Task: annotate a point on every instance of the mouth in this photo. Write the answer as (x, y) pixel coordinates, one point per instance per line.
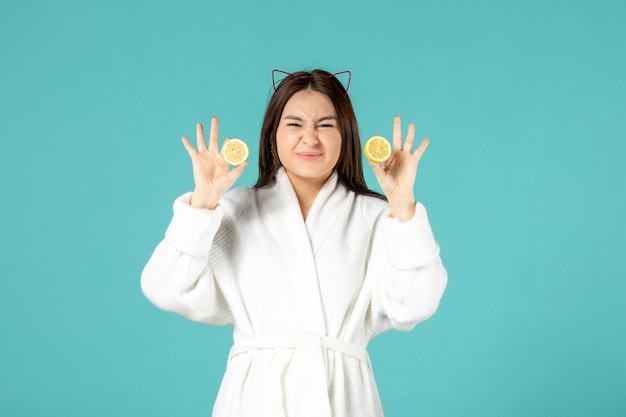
(309, 156)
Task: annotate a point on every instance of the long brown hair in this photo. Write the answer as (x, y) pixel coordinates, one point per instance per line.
(349, 167)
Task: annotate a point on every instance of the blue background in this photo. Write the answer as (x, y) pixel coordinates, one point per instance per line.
(524, 102)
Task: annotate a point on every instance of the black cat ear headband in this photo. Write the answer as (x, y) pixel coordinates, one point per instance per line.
(290, 75)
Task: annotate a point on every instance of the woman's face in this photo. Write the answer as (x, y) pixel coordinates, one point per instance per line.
(308, 138)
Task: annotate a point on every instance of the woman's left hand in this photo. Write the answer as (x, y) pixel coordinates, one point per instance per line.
(397, 174)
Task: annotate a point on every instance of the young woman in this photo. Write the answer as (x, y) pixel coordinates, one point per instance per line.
(308, 265)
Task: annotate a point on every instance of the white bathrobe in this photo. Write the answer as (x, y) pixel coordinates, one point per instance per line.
(303, 297)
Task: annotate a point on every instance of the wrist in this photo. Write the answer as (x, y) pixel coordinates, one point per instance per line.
(402, 207)
(203, 200)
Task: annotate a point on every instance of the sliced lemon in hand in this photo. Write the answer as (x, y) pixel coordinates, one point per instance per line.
(235, 151)
(377, 149)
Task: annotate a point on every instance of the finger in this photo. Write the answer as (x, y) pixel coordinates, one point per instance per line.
(397, 134)
(200, 138)
(379, 173)
(223, 145)
(236, 172)
(213, 134)
(421, 149)
(410, 137)
(190, 149)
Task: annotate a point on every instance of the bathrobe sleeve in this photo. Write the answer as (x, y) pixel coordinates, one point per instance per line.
(411, 277)
(178, 277)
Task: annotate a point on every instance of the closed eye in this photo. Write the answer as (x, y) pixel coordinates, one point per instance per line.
(327, 122)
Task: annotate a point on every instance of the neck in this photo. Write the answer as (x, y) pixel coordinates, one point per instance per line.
(306, 190)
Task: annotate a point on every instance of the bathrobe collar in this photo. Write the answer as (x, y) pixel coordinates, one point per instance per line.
(300, 240)
(282, 205)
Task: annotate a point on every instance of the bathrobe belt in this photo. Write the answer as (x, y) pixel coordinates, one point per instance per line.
(305, 385)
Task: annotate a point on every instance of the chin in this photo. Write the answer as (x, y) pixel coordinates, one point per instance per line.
(310, 174)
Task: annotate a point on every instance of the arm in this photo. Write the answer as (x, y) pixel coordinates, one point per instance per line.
(411, 275)
(178, 277)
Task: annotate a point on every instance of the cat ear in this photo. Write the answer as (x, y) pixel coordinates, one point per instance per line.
(288, 74)
(347, 86)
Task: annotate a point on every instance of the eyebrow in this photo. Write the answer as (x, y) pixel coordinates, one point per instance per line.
(318, 120)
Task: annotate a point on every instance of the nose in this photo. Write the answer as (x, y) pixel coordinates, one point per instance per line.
(309, 135)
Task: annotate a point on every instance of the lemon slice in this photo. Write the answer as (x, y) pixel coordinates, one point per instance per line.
(235, 151)
(377, 149)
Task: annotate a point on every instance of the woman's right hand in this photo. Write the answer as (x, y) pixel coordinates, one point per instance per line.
(210, 171)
